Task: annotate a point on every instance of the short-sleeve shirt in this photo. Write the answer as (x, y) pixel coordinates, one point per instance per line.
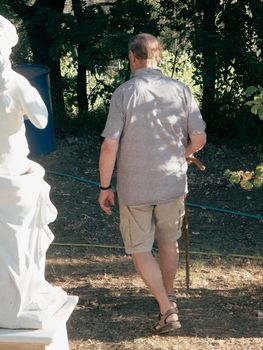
(152, 116)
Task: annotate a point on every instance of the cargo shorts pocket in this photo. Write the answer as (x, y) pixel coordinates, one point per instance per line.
(136, 227)
(169, 218)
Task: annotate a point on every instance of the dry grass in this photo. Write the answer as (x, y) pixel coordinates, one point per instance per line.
(222, 310)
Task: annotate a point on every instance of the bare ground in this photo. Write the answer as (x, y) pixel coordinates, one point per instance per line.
(222, 309)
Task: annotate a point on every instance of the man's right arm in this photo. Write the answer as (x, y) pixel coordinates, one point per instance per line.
(107, 160)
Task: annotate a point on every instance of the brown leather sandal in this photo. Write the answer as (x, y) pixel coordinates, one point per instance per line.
(164, 326)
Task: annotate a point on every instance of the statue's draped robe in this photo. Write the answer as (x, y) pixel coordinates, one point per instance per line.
(27, 300)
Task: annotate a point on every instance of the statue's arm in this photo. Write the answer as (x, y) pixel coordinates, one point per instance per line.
(33, 106)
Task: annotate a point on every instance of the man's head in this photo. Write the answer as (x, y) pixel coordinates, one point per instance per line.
(144, 51)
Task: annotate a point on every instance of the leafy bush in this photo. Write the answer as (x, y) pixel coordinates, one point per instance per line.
(250, 179)
(246, 179)
(256, 103)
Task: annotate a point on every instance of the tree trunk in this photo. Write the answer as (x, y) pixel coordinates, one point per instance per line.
(209, 60)
(81, 78)
(82, 89)
(36, 20)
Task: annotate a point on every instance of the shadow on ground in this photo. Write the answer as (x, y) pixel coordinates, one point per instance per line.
(203, 313)
(114, 306)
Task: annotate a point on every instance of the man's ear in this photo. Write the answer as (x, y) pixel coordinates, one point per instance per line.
(132, 56)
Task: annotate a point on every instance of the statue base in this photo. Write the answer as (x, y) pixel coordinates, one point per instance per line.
(52, 337)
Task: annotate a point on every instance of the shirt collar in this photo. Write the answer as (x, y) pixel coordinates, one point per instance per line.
(147, 70)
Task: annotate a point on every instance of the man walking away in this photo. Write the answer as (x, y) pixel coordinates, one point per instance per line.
(153, 125)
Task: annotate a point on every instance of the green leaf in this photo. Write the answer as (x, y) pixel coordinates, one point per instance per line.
(254, 109)
(260, 112)
(258, 182)
(227, 173)
(234, 178)
(251, 90)
(246, 185)
(259, 170)
(258, 99)
(249, 103)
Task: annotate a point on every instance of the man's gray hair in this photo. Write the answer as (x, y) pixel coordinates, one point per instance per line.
(145, 47)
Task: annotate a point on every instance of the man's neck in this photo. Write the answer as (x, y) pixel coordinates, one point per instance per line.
(146, 64)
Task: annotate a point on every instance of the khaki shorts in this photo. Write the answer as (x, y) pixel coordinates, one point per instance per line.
(141, 225)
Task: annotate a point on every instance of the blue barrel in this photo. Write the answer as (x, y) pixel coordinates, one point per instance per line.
(40, 141)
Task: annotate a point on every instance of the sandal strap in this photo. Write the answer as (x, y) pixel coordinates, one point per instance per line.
(169, 313)
(163, 317)
(172, 298)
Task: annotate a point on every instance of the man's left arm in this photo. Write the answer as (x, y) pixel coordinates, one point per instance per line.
(196, 127)
(107, 161)
(196, 143)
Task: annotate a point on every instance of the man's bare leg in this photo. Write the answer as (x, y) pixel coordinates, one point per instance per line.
(147, 267)
(168, 260)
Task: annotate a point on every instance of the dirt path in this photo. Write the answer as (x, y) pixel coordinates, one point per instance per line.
(222, 310)
(81, 221)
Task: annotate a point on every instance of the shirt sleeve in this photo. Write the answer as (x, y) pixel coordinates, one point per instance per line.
(115, 120)
(196, 124)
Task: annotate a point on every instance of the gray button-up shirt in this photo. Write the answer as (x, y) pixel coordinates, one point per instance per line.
(152, 115)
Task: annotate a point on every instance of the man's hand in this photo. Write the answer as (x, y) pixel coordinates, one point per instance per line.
(189, 159)
(192, 160)
(106, 201)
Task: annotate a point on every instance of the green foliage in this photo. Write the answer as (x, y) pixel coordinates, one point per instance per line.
(226, 60)
(99, 37)
(180, 67)
(250, 179)
(246, 179)
(204, 49)
(256, 103)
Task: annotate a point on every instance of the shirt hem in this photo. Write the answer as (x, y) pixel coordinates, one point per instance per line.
(156, 202)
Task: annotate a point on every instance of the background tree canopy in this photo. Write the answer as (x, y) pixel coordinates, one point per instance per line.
(215, 46)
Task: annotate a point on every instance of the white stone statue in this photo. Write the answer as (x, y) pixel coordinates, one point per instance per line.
(27, 300)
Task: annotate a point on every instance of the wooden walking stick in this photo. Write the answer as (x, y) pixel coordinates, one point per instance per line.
(201, 167)
(186, 247)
